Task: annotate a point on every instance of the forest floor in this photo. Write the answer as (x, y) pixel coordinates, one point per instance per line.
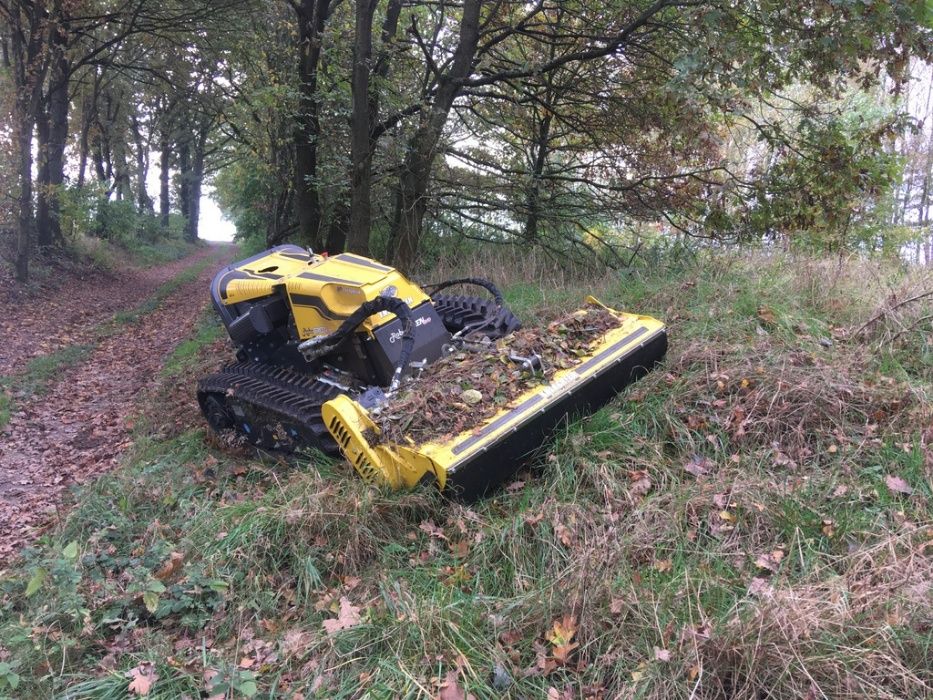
(754, 519)
(77, 351)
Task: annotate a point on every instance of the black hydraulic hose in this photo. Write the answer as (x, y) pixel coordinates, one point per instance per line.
(478, 281)
(316, 347)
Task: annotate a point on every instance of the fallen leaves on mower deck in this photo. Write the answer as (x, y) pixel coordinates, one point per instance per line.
(461, 391)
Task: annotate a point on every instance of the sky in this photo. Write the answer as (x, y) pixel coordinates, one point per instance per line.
(212, 226)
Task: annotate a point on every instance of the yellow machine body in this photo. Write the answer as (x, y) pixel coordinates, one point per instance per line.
(322, 291)
(471, 461)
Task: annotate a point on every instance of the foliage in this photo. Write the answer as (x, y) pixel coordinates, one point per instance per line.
(828, 193)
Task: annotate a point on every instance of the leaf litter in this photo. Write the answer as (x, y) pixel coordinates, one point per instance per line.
(79, 428)
(462, 390)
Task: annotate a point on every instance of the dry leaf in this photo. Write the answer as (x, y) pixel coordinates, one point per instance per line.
(897, 484)
(295, 642)
(143, 677)
(698, 466)
(770, 561)
(760, 587)
(349, 616)
(433, 530)
(171, 566)
(460, 549)
(563, 534)
(663, 565)
(640, 487)
(561, 638)
(766, 315)
(451, 690)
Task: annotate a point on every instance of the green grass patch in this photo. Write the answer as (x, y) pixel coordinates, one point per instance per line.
(166, 289)
(608, 568)
(209, 330)
(37, 376)
(6, 404)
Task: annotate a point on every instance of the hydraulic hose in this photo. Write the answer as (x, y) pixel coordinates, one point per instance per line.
(318, 347)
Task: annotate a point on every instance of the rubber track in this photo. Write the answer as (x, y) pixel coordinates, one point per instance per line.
(458, 311)
(294, 397)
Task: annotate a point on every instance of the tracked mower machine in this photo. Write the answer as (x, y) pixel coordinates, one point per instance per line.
(344, 354)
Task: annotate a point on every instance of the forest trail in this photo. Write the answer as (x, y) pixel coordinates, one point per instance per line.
(79, 427)
(45, 319)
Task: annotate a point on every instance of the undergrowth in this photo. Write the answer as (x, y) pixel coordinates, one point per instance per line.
(750, 520)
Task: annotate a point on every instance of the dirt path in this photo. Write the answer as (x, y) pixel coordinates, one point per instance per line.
(79, 430)
(48, 318)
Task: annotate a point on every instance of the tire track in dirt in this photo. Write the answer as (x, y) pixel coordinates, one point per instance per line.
(79, 430)
(41, 321)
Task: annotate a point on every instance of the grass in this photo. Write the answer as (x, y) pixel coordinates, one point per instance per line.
(108, 255)
(785, 567)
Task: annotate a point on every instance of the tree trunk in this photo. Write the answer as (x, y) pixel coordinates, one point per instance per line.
(24, 233)
(361, 123)
(58, 136)
(83, 145)
(97, 155)
(312, 16)
(411, 196)
(143, 200)
(533, 201)
(364, 117)
(29, 45)
(339, 226)
(195, 185)
(184, 175)
(165, 159)
(43, 228)
(277, 225)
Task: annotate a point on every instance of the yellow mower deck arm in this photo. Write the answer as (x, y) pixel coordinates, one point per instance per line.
(473, 461)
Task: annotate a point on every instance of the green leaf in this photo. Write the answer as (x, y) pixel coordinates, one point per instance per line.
(155, 586)
(35, 583)
(71, 551)
(248, 688)
(151, 601)
(217, 585)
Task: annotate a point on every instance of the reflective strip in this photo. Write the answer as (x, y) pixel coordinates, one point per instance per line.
(496, 424)
(532, 400)
(357, 260)
(326, 278)
(229, 277)
(316, 303)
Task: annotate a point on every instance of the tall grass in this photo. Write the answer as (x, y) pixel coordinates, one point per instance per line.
(726, 528)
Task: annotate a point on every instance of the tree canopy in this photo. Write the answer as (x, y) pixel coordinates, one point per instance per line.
(393, 127)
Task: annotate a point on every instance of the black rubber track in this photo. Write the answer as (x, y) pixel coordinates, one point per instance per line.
(275, 408)
(480, 315)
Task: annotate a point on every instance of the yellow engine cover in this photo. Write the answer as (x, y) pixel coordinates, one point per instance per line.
(322, 291)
